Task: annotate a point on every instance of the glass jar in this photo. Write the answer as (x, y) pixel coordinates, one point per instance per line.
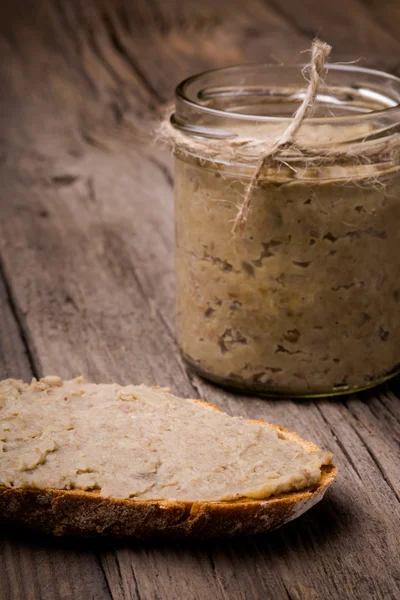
(305, 301)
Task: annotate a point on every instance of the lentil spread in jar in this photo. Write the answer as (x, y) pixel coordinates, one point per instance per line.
(305, 301)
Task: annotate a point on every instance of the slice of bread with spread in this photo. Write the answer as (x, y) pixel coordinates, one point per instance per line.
(78, 458)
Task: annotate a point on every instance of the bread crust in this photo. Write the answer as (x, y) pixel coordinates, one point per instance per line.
(86, 513)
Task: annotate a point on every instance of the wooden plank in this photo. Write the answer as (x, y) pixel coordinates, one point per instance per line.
(351, 28)
(93, 189)
(359, 512)
(35, 569)
(38, 568)
(170, 571)
(387, 18)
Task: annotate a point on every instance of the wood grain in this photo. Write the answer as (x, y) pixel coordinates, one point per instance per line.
(15, 359)
(32, 569)
(86, 250)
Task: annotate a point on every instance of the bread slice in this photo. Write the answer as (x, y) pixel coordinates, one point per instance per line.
(91, 512)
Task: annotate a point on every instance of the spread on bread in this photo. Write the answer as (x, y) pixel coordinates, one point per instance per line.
(142, 442)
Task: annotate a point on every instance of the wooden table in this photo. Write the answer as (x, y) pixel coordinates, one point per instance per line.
(87, 282)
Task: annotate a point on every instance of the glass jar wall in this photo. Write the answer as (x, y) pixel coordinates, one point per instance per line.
(305, 301)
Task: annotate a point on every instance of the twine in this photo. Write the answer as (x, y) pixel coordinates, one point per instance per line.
(319, 53)
(272, 152)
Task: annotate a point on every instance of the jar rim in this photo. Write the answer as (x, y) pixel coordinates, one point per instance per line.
(183, 99)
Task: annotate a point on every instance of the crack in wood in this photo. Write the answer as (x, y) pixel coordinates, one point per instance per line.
(389, 410)
(163, 170)
(137, 590)
(373, 410)
(120, 578)
(91, 189)
(12, 301)
(100, 56)
(90, 139)
(216, 574)
(117, 111)
(77, 45)
(124, 17)
(375, 459)
(163, 25)
(106, 582)
(339, 442)
(69, 28)
(331, 580)
(289, 595)
(124, 53)
(287, 17)
(64, 179)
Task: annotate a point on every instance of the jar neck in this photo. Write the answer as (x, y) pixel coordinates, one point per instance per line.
(355, 107)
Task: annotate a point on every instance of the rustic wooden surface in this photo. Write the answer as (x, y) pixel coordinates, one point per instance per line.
(86, 282)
